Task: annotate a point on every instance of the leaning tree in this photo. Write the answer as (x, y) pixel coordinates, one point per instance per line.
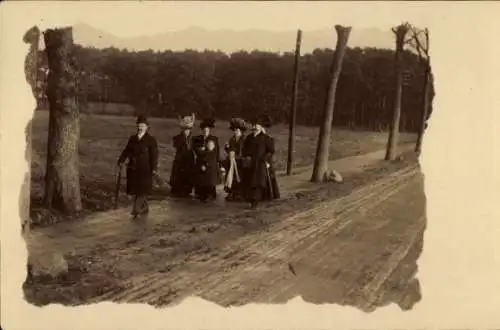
(320, 168)
(419, 42)
(400, 32)
(62, 183)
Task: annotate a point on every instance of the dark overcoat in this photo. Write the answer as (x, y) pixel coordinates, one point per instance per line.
(235, 145)
(142, 156)
(183, 167)
(210, 177)
(259, 150)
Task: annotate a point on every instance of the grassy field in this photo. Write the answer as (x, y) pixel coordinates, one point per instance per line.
(103, 137)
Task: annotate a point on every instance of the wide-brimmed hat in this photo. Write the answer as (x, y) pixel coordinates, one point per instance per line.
(209, 122)
(142, 120)
(235, 123)
(263, 120)
(187, 121)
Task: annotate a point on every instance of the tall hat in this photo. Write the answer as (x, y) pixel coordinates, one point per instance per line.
(142, 120)
(210, 122)
(237, 123)
(263, 120)
(187, 121)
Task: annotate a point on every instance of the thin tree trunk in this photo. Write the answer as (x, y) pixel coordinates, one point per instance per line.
(31, 37)
(103, 95)
(402, 123)
(425, 107)
(293, 110)
(62, 183)
(363, 123)
(322, 151)
(392, 142)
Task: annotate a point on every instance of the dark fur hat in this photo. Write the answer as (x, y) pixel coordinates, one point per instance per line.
(207, 123)
(237, 123)
(263, 120)
(142, 120)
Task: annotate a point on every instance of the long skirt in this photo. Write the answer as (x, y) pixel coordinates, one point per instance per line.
(182, 178)
(258, 193)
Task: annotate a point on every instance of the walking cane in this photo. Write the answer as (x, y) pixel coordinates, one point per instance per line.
(118, 186)
(269, 182)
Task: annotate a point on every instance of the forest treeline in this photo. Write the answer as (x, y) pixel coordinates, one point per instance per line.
(168, 84)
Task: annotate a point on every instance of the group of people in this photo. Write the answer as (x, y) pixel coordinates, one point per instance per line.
(245, 165)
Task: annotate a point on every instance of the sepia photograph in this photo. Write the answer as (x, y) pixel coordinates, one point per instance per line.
(238, 166)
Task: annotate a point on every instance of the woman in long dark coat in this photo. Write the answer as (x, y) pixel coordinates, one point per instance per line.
(183, 167)
(201, 145)
(260, 177)
(142, 155)
(234, 185)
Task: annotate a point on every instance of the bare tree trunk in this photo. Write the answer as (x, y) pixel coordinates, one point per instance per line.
(425, 109)
(62, 183)
(103, 95)
(392, 142)
(362, 115)
(293, 110)
(322, 151)
(31, 37)
(427, 92)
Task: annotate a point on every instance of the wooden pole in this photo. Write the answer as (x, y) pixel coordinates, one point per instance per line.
(293, 109)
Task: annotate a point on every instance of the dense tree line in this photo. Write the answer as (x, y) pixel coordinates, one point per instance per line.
(167, 84)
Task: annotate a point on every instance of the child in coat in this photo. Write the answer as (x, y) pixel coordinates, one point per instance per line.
(208, 171)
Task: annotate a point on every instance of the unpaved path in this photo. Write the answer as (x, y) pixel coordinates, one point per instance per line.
(341, 250)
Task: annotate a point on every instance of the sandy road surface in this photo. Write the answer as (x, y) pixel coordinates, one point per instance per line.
(345, 250)
(342, 251)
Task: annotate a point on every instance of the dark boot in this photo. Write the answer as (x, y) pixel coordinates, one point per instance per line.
(141, 206)
(134, 212)
(145, 208)
(213, 193)
(253, 205)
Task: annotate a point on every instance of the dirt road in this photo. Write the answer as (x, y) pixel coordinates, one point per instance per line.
(357, 248)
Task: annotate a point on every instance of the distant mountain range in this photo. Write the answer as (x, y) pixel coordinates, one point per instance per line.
(228, 41)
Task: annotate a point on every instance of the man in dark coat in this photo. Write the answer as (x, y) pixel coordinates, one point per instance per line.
(183, 167)
(233, 164)
(141, 152)
(258, 150)
(201, 146)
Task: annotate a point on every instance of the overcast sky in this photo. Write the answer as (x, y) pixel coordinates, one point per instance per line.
(161, 17)
(131, 19)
